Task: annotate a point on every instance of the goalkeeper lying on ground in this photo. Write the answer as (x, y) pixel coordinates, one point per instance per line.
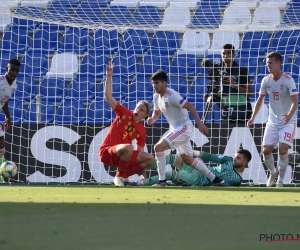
(229, 169)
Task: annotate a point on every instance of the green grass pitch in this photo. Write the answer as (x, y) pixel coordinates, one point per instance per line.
(109, 218)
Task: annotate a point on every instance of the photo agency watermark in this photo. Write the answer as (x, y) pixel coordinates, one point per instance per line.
(279, 237)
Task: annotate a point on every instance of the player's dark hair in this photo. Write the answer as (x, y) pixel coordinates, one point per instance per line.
(275, 55)
(229, 46)
(159, 75)
(14, 62)
(246, 154)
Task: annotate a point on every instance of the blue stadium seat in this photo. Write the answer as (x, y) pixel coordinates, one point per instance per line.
(105, 42)
(83, 89)
(27, 24)
(140, 89)
(178, 84)
(45, 42)
(100, 3)
(125, 65)
(214, 3)
(146, 16)
(64, 3)
(71, 111)
(164, 43)
(117, 15)
(43, 112)
(206, 17)
(152, 63)
(53, 88)
(184, 65)
(57, 14)
(26, 89)
(296, 67)
(34, 65)
(199, 106)
(286, 66)
(88, 14)
(100, 112)
(198, 89)
(135, 42)
(256, 88)
(16, 41)
(119, 88)
(94, 65)
(292, 16)
(286, 42)
(75, 40)
(255, 43)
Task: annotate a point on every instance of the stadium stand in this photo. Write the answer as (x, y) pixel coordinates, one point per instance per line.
(184, 65)
(71, 111)
(94, 65)
(157, 3)
(99, 112)
(117, 15)
(54, 89)
(176, 17)
(164, 43)
(222, 37)
(152, 62)
(135, 42)
(125, 65)
(127, 3)
(206, 17)
(147, 16)
(265, 17)
(26, 89)
(16, 41)
(105, 42)
(194, 42)
(236, 17)
(83, 89)
(251, 4)
(34, 65)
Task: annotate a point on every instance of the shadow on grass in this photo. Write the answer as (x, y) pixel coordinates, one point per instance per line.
(145, 226)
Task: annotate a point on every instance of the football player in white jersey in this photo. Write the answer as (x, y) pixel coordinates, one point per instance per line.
(175, 109)
(281, 125)
(7, 87)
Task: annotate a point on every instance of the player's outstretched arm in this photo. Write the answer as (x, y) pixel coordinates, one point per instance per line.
(107, 87)
(202, 128)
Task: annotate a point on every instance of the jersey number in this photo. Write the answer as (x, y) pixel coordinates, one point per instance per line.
(287, 137)
(276, 95)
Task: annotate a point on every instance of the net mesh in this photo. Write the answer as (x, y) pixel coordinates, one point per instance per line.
(59, 115)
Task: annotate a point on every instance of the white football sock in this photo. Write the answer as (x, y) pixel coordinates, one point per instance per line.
(200, 166)
(161, 165)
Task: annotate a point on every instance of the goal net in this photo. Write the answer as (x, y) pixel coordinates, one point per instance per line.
(59, 115)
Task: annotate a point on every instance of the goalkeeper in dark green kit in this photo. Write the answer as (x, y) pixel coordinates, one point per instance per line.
(229, 169)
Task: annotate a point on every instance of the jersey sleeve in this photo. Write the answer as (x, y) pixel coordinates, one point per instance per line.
(177, 100)
(155, 104)
(219, 159)
(291, 85)
(263, 89)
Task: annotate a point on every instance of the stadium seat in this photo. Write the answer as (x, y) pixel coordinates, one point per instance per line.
(71, 111)
(292, 15)
(164, 43)
(127, 3)
(157, 3)
(255, 43)
(53, 88)
(222, 37)
(119, 88)
(100, 3)
(184, 65)
(26, 89)
(105, 42)
(186, 3)
(125, 65)
(140, 89)
(65, 3)
(176, 17)
(75, 40)
(206, 17)
(44, 42)
(196, 43)
(35, 3)
(88, 14)
(251, 4)
(94, 64)
(5, 18)
(296, 67)
(146, 16)
(83, 88)
(135, 42)
(99, 112)
(117, 15)
(54, 15)
(152, 63)
(180, 85)
(286, 42)
(16, 111)
(16, 41)
(30, 12)
(255, 88)
(236, 17)
(40, 111)
(281, 4)
(265, 17)
(214, 3)
(63, 65)
(34, 65)
(198, 89)
(286, 66)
